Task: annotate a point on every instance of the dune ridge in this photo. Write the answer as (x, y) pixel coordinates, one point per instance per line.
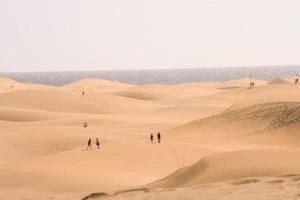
(260, 118)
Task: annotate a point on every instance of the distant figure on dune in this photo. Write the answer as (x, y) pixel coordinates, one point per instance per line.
(11, 86)
(84, 125)
(97, 143)
(89, 144)
(296, 81)
(251, 84)
(158, 137)
(151, 138)
(83, 93)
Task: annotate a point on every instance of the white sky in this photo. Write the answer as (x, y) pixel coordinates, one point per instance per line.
(40, 35)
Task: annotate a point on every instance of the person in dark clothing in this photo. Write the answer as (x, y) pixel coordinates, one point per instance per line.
(251, 84)
(151, 138)
(97, 143)
(89, 144)
(82, 93)
(158, 137)
(85, 125)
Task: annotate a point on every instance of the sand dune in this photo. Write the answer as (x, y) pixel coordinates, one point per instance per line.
(239, 83)
(283, 187)
(214, 176)
(260, 118)
(95, 86)
(52, 100)
(259, 95)
(56, 100)
(278, 80)
(6, 85)
(234, 165)
(165, 92)
(23, 115)
(97, 83)
(221, 137)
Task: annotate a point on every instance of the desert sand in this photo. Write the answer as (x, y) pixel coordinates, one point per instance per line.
(220, 140)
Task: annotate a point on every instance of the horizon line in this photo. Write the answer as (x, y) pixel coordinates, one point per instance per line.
(152, 69)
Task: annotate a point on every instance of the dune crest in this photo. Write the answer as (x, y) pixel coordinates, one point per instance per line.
(92, 86)
(278, 80)
(256, 119)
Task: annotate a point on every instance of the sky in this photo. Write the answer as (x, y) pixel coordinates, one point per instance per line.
(46, 35)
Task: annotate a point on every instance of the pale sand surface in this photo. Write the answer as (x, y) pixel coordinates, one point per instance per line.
(220, 140)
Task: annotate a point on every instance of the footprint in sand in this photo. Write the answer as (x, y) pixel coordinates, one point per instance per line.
(296, 179)
(289, 175)
(246, 181)
(276, 181)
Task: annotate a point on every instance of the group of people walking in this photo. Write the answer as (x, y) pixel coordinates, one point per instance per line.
(97, 142)
(90, 143)
(158, 137)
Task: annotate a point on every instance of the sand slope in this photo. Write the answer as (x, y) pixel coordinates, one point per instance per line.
(220, 175)
(259, 118)
(23, 115)
(282, 187)
(234, 165)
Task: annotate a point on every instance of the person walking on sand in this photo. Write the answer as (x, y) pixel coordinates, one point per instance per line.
(82, 93)
(85, 125)
(151, 138)
(158, 137)
(251, 84)
(97, 143)
(89, 144)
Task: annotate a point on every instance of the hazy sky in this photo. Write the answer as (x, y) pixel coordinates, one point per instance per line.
(40, 35)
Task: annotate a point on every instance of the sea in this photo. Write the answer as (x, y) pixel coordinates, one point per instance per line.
(161, 76)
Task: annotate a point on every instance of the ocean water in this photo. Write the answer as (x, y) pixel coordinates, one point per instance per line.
(164, 76)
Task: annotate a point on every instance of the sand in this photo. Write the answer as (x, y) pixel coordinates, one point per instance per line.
(220, 140)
